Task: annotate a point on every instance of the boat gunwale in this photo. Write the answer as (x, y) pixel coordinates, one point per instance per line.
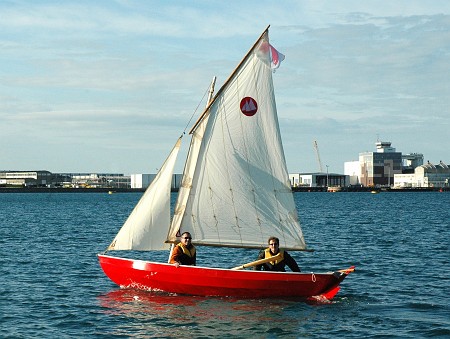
(215, 268)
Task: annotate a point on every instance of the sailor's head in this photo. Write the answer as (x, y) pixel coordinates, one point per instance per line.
(274, 243)
(186, 238)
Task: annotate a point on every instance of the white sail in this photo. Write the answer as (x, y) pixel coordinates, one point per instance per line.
(189, 168)
(240, 192)
(146, 227)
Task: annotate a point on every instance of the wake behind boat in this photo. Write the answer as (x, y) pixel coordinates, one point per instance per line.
(235, 192)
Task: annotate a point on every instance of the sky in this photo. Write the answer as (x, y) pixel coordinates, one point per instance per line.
(108, 86)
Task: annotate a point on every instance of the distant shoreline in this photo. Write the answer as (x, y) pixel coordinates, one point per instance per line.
(68, 190)
(137, 190)
(372, 189)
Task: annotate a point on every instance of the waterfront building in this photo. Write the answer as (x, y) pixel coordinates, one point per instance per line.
(318, 180)
(80, 180)
(428, 175)
(378, 168)
(141, 180)
(411, 161)
(96, 180)
(26, 178)
(353, 170)
(144, 180)
(375, 168)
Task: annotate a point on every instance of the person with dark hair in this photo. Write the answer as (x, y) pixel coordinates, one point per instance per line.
(279, 264)
(184, 253)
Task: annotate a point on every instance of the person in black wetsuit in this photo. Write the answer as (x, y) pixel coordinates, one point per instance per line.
(279, 264)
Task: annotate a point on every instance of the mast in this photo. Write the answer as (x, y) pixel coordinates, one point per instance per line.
(211, 91)
(185, 187)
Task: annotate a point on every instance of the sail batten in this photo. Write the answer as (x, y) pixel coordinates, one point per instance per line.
(238, 192)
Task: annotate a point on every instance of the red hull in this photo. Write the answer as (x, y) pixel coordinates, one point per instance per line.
(203, 281)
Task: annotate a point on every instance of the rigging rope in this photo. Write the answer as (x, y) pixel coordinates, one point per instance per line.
(195, 111)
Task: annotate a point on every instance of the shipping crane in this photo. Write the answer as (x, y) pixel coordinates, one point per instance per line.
(316, 147)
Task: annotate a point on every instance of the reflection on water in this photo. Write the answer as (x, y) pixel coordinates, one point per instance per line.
(161, 314)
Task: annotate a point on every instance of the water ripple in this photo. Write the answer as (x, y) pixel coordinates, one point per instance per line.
(52, 285)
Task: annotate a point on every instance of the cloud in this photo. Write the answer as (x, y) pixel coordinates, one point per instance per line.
(129, 74)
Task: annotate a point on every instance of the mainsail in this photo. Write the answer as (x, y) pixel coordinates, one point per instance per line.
(239, 192)
(146, 227)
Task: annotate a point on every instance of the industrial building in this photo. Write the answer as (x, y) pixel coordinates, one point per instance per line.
(383, 168)
(80, 180)
(378, 168)
(372, 169)
(428, 175)
(94, 180)
(144, 180)
(388, 168)
(77, 180)
(26, 178)
(318, 180)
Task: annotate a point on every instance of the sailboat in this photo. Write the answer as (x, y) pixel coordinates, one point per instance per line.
(235, 192)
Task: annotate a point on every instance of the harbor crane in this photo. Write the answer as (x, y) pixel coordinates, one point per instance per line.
(316, 147)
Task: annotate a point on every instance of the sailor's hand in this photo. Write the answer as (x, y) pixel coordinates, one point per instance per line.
(177, 264)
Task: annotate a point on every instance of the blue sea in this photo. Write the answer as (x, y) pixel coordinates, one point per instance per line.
(51, 285)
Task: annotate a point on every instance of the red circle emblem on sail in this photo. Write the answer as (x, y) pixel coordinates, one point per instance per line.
(249, 106)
